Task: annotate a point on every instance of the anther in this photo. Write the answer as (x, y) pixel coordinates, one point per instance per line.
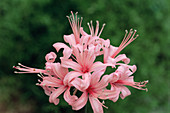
(39, 75)
(101, 29)
(19, 64)
(37, 84)
(15, 72)
(103, 102)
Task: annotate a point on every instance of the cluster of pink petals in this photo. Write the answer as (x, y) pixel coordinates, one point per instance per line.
(80, 71)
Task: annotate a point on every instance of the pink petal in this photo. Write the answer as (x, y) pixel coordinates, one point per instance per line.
(84, 40)
(116, 89)
(108, 52)
(50, 57)
(124, 92)
(106, 43)
(69, 98)
(48, 90)
(82, 84)
(98, 66)
(81, 102)
(111, 62)
(60, 71)
(109, 94)
(53, 97)
(51, 81)
(115, 98)
(122, 57)
(83, 32)
(96, 105)
(115, 77)
(70, 76)
(103, 82)
(90, 56)
(67, 51)
(96, 77)
(70, 39)
(68, 63)
(133, 68)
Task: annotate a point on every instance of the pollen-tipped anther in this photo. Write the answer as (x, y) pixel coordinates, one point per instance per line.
(101, 29)
(75, 24)
(126, 41)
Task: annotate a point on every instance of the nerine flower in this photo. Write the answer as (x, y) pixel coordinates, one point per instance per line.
(121, 78)
(80, 70)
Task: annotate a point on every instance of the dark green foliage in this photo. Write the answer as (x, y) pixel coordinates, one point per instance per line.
(28, 28)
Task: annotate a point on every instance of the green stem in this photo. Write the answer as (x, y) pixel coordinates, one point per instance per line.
(86, 108)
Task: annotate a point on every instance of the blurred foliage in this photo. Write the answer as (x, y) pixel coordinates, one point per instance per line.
(28, 28)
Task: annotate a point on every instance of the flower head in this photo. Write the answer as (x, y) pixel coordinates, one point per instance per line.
(79, 68)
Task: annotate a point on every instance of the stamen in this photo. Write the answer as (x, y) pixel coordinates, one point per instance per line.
(75, 24)
(89, 28)
(39, 75)
(97, 28)
(37, 84)
(15, 71)
(81, 21)
(75, 91)
(25, 69)
(126, 41)
(92, 28)
(101, 30)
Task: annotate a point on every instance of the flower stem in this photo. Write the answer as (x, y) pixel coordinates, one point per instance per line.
(86, 108)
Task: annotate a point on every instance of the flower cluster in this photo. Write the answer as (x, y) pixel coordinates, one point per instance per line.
(79, 76)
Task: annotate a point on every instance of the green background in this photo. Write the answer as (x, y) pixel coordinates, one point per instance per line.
(28, 28)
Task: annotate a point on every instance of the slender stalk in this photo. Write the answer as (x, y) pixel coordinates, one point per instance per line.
(86, 108)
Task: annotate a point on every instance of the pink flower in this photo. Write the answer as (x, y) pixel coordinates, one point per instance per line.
(80, 70)
(110, 53)
(50, 58)
(52, 83)
(121, 78)
(96, 90)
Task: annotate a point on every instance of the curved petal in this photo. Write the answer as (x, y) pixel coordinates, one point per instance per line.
(109, 94)
(82, 84)
(51, 81)
(81, 102)
(67, 51)
(103, 82)
(115, 77)
(70, 99)
(70, 76)
(116, 89)
(98, 66)
(90, 56)
(106, 43)
(96, 77)
(108, 52)
(96, 105)
(122, 57)
(48, 90)
(60, 71)
(133, 68)
(68, 63)
(83, 33)
(124, 92)
(84, 40)
(50, 57)
(70, 39)
(53, 97)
